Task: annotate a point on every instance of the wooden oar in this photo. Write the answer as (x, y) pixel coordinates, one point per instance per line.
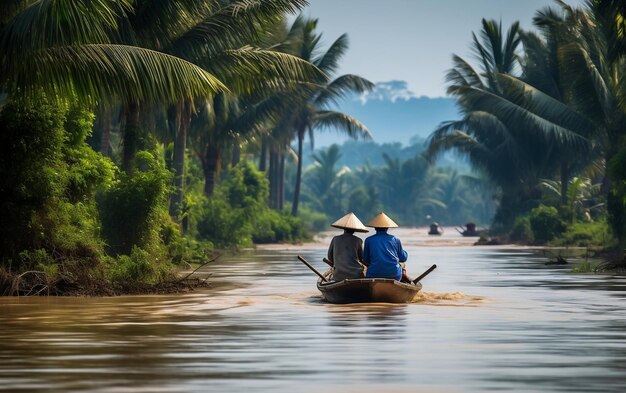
(427, 272)
(312, 268)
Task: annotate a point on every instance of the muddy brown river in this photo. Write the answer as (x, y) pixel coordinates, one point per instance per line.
(489, 319)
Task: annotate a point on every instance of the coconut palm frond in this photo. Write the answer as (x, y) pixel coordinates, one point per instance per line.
(329, 60)
(235, 24)
(337, 120)
(546, 106)
(262, 68)
(103, 72)
(598, 93)
(511, 112)
(340, 88)
(463, 74)
(447, 137)
(46, 24)
(168, 20)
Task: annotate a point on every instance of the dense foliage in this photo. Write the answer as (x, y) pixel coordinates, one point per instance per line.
(129, 132)
(545, 110)
(78, 220)
(412, 190)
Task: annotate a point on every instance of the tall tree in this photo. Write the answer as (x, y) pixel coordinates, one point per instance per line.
(215, 35)
(512, 130)
(310, 109)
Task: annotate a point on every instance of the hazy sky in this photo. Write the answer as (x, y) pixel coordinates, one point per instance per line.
(413, 40)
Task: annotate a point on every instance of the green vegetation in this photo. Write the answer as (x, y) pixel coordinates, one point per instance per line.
(586, 267)
(544, 118)
(411, 190)
(129, 132)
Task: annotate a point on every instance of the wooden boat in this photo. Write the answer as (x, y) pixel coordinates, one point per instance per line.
(469, 230)
(435, 229)
(365, 290)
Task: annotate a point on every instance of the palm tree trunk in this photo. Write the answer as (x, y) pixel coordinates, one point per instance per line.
(131, 136)
(263, 158)
(273, 177)
(236, 154)
(211, 167)
(564, 182)
(296, 193)
(281, 181)
(183, 118)
(105, 137)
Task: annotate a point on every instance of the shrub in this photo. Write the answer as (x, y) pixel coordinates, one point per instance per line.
(522, 231)
(245, 187)
(30, 169)
(313, 221)
(595, 234)
(224, 226)
(545, 223)
(586, 267)
(272, 227)
(138, 266)
(133, 209)
(49, 177)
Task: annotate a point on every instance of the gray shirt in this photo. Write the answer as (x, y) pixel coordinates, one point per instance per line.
(346, 251)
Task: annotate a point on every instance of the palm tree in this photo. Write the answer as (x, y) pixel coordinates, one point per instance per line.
(407, 187)
(310, 109)
(216, 35)
(58, 47)
(580, 195)
(325, 181)
(610, 14)
(512, 130)
(222, 123)
(597, 71)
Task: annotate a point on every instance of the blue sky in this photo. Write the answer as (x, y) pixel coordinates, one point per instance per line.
(413, 40)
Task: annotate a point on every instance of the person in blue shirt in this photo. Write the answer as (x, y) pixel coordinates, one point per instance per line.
(383, 252)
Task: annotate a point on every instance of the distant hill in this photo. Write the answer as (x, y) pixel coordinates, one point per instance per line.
(357, 153)
(393, 114)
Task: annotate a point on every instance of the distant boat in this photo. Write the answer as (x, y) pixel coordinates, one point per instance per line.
(435, 229)
(469, 230)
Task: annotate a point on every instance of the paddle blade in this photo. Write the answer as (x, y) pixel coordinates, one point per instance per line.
(427, 272)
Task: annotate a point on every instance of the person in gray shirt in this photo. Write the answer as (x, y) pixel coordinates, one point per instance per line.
(346, 250)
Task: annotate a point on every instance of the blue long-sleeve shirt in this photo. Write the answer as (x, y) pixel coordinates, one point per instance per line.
(382, 254)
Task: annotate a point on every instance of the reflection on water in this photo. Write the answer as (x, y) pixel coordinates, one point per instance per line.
(487, 319)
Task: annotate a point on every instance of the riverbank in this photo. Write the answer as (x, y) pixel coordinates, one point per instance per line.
(410, 237)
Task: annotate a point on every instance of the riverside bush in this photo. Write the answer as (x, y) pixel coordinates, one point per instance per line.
(133, 209)
(545, 223)
(48, 179)
(272, 226)
(596, 234)
(224, 226)
(522, 231)
(139, 266)
(238, 215)
(313, 221)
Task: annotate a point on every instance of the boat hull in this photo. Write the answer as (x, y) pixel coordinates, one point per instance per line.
(368, 290)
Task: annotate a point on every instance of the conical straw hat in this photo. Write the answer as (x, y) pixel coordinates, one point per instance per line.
(382, 221)
(350, 221)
